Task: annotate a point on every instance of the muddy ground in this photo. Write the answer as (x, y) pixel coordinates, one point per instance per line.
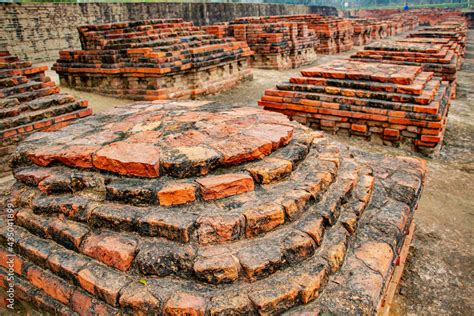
(439, 276)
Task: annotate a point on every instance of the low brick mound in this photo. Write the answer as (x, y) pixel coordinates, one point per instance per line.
(153, 59)
(193, 208)
(388, 103)
(454, 30)
(441, 59)
(438, 49)
(276, 45)
(29, 102)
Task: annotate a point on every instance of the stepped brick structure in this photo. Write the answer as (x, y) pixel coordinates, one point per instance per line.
(335, 34)
(424, 17)
(369, 30)
(438, 49)
(153, 59)
(385, 102)
(215, 211)
(438, 58)
(455, 31)
(29, 102)
(276, 45)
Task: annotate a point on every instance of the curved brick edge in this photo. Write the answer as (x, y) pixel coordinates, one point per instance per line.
(205, 223)
(387, 212)
(154, 139)
(360, 285)
(288, 245)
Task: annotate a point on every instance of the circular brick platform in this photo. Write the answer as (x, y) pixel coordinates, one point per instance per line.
(194, 208)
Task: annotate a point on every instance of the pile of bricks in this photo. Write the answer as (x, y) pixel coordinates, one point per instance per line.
(153, 59)
(29, 102)
(276, 45)
(210, 211)
(390, 103)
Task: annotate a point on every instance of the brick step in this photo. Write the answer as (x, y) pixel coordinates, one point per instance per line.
(15, 65)
(32, 72)
(12, 81)
(163, 223)
(425, 97)
(37, 104)
(39, 114)
(368, 109)
(71, 235)
(47, 290)
(163, 90)
(24, 88)
(31, 95)
(27, 292)
(111, 286)
(50, 124)
(8, 103)
(416, 88)
(65, 276)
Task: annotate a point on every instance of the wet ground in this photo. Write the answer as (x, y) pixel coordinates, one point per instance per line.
(439, 276)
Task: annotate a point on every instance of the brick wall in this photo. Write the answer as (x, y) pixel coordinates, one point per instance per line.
(38, 31)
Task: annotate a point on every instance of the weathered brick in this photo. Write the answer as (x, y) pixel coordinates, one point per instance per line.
(218, 187)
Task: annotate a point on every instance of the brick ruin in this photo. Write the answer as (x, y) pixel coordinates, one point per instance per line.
(387, 103)
(152, 60)
(393, 92)
(438, 49)
(368, 30)
(289, 41)
(189, 207)
(276, 44)
(29, 102)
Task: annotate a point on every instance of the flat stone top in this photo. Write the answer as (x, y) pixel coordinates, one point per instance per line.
(179, 139)
(425, 40)
(405, 47)
(343, 69)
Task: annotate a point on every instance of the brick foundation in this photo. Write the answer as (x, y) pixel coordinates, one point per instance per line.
(388, 103)
(152, 60)
(241, 212)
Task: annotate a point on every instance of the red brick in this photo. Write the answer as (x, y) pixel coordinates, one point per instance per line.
(50, 284)
(182, 303)
(218, 187)
(112, 249)
(129, 159)
(359, 128)
(177, 194)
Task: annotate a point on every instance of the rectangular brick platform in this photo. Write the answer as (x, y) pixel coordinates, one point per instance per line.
(153, 59)
(437, 49)
(389, 103)
(334, 34)
(276, 45)
(369, 30)
(251, 214)
(30, 102)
